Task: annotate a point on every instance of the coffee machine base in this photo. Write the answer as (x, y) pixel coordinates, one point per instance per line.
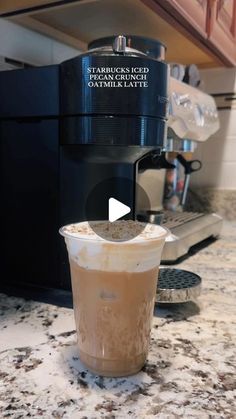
(187, 229)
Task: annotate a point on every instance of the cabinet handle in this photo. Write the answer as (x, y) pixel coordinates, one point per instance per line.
(211, 7)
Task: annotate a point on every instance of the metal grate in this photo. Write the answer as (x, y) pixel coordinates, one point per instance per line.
(175, 219)
(177, 285)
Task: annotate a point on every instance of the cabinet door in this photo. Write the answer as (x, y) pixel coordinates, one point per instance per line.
(192, 13)
(222, 28)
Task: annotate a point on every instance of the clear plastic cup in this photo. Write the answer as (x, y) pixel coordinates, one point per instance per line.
(114, 289)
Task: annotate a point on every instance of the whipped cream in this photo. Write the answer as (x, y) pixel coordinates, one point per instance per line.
(90, 251)
(121, 230)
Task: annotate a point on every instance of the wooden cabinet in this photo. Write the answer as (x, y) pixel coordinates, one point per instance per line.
(222, 28)
(211, 22)
(194, 12)
(200, 31)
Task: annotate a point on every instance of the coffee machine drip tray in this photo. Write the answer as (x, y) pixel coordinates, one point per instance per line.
(187, 229)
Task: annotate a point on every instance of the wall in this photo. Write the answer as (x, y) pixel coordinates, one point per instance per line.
(218, 153)
(31, 47)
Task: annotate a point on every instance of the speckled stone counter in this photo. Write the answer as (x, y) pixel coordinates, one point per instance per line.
(208, 200)
(190, 373)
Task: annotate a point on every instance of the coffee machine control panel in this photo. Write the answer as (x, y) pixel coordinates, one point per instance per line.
(193, 114)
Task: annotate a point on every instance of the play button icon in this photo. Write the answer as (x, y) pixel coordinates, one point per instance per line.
(115, 199)
(117, 209)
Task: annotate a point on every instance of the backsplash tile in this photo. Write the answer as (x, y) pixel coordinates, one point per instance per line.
(219, 175)
(31, 47)
(218, 80)
(227, 123)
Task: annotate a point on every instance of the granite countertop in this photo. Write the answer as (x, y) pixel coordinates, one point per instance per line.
(190, 372)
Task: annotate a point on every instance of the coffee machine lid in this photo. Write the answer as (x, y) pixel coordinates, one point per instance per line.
(130, 45)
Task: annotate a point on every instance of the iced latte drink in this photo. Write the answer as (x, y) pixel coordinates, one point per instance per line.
(114, 287)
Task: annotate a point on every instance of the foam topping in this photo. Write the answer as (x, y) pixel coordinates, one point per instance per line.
(121, 230)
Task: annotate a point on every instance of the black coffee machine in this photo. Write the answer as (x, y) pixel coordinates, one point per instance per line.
(99, 118)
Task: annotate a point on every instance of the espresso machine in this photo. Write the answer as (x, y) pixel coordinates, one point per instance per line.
(72, 136)
(193, 118)
(94, 127)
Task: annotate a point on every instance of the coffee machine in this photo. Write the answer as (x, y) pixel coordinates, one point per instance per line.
(74, 134)
(193, 118)
(94, 127)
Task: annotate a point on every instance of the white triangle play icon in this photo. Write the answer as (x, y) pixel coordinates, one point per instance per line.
(117, 210)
